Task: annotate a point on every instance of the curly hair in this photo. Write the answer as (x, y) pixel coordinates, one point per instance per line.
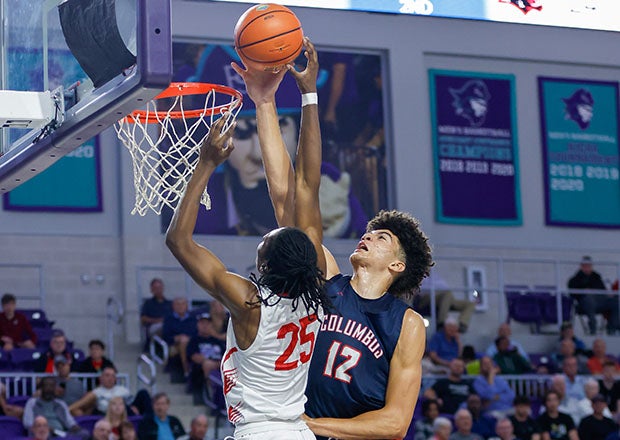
(291, 271)
(414, 244)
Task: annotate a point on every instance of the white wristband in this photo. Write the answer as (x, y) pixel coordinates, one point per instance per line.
(309, 99)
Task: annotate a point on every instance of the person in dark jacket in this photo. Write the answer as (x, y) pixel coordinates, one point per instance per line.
(95, 362)
(159, 420)
(591, 304)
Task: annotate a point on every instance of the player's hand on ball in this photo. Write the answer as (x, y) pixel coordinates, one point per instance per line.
(306, 79)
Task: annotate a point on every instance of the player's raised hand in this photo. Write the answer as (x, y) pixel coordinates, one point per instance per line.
(260, 85)
(306, 79)
(218, 144)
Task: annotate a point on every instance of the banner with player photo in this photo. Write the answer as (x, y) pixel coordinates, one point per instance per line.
(473, 121)
(353, 183)
(581, 154)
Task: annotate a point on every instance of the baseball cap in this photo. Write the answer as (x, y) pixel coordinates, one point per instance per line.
(566, 324)
(59, 358)
(586, 259)
(204, 315)
(599, 398)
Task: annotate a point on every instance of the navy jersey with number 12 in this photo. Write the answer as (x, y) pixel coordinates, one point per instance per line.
(350, 366)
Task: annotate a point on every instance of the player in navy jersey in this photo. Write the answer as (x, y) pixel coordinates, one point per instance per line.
(366, 368)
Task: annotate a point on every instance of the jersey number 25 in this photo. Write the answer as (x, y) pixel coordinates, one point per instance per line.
(299, 336)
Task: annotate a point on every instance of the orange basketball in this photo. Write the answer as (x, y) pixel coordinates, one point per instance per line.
(268, 36)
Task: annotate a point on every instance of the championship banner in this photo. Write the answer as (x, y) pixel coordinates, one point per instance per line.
(473, 119)
(73, 184)
(579, 128)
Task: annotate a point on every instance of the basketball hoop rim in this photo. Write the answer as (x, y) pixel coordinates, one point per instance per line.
(183, 89)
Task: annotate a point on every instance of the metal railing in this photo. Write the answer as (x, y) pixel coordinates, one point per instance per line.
(113, 318)
(159, 350)
(150, 379)
(24, 384)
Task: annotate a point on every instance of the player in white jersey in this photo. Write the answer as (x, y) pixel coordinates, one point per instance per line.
(274, 317)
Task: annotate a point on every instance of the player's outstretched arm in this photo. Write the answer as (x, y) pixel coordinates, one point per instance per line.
(308, 159)
(391, 421)
(261, 88)
(202, 265)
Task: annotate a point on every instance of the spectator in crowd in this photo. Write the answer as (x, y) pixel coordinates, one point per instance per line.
(482, 424)
(591, 304)
(554, 424)
(58, 346)
(599, 356)
(40, 429)
(442, 427)
(128, 431)
(445, 344)
(68, 389)
(505, 331)
(116, 414)
(609, 386)
(55, 410)
(424, 427)
(451, 391)
(159, 424)
(586, 405)
(204, 351)
(567, 331)
(509, 360)
(445, 302)
(178, 329)
(504, 430)
(7, 409)
(567, 350)
(524, 426)
(101, 430)
(472, 363)
(219, 319)
(568, 405)
(198, 429)
(15, 330)
(597, 426)
(463, 422)
(96, 360)
(495, 392)
(155, 309)
(574, 383)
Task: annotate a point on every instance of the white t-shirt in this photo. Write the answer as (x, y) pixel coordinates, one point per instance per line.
(104, 395)
(267, 381)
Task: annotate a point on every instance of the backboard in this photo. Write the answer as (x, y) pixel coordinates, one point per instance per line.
(92, 62)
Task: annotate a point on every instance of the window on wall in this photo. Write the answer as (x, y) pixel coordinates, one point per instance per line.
(354, 172)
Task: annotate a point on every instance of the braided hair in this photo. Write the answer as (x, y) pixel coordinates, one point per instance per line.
(290, 271)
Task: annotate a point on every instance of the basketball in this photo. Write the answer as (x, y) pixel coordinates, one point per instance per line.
(268, 36)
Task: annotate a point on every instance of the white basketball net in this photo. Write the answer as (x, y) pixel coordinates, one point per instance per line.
(164, 159)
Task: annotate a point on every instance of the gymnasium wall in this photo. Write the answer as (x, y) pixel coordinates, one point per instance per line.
(128, 250)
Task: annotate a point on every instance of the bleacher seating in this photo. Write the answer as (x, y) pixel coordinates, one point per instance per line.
(11, 427)
(536, 305)
(37, 317)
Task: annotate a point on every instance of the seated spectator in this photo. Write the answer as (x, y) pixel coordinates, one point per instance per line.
(40, 429)
(198, 429)
(609, 386)
(505, 331)
(5, 408)
(68, 389)
(554, 424)
(204, 351)
(101, 430)
(219, 319)
(153, 425)
(445, 302)
(15, 330)
(567, 331)
(424, 426)
(58, 346)
(155, 309)
(451, 391)
(586, 405)
(463, 422)
(97, 400)
(128, 431)
(591, 304)
(445, 344)
(568, 405)
(55, 411)
(567, 350)
(597, 426)
(524, 426)
(178, 329)
(599, 356)
(508, 359)
(482, 424)
(96, 360)
(496, 394)
(442, 427)
(574, 383)
(116, 414)
(472, 363)
(504, 430)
